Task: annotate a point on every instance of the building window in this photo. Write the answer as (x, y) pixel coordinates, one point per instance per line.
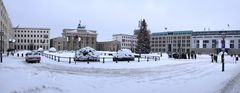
(205, 41)
(204, 45)
(45, 36)
(231, 45)
(231, 41)
(197, 45)
(214, 43)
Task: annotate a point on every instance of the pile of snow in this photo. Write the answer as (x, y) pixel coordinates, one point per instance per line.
(40, 50)
(124, 53)
(52, 49)
(87, 53)
(225, 53)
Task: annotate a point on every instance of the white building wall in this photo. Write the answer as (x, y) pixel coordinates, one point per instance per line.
(200, 43)
(126, 41)
(227, 43)
(219, 43)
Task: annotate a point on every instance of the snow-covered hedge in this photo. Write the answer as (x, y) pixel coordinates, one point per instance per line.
(52, 49)
(40, 50)
(123, 55)
(87, 54)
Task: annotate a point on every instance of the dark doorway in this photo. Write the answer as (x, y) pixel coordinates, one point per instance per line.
(169, 47)
(31, 47)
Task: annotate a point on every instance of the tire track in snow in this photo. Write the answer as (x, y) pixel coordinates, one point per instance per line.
(233, 86)
(170, 71)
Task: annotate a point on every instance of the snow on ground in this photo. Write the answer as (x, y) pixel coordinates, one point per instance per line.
(164, 76)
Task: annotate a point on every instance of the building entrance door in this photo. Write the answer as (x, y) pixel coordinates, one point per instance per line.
(169, 47)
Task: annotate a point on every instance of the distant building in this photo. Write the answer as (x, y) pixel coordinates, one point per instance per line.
(210, 41)
(126, 41)
(109, 46)
(173, 41)
(58, 43)
(79, 38)
(5, 29)
(31, 38)
(205, 42)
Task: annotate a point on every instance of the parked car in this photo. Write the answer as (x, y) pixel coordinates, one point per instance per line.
(33, 57)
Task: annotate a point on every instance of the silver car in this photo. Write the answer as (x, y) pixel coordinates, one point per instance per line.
(33, 57)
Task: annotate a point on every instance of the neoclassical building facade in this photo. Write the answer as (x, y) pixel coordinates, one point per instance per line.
(5, 28)
(75, 39)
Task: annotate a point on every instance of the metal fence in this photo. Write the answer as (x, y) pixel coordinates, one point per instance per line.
(102, 59)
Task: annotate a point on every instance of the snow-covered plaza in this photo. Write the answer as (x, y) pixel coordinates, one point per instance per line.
(166, 75)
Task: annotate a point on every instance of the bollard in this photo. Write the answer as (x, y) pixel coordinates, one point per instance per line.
(17, 54)
(55, 58)
(75, 61)
(147, 59)
(52, 57)
(22, 55)
(58, 58)
(69, 60)
(155, 58)
(128, 61)
(138, 59)
(103, 60)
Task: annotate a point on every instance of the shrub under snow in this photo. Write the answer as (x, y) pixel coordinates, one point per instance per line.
(124, 55)
(87, 54)
(40, 50)
(52, 49)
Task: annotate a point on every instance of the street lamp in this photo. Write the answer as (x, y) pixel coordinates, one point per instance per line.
(223, 49)
(1, 34)
(79, 43)
(11, 42)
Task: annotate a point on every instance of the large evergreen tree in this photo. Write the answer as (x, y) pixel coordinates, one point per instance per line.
(143, 36)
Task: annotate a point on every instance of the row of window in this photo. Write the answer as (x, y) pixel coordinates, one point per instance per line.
(174, 41)
(28, 47)
(179, 37)
(214, 41)
(31, 41)
(39, 36)
(215, 36)
(174, 45)
(124, 44)
(165, 50)
(126, 40)
(129, 37)
(24, 31)
(215, 45)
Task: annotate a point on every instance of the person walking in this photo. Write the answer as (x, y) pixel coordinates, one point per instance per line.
(236, 58)
(212, 57)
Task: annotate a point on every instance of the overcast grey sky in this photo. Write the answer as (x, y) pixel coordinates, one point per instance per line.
(121, 16)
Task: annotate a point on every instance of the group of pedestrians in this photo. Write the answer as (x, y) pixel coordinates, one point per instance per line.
(214, 58)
